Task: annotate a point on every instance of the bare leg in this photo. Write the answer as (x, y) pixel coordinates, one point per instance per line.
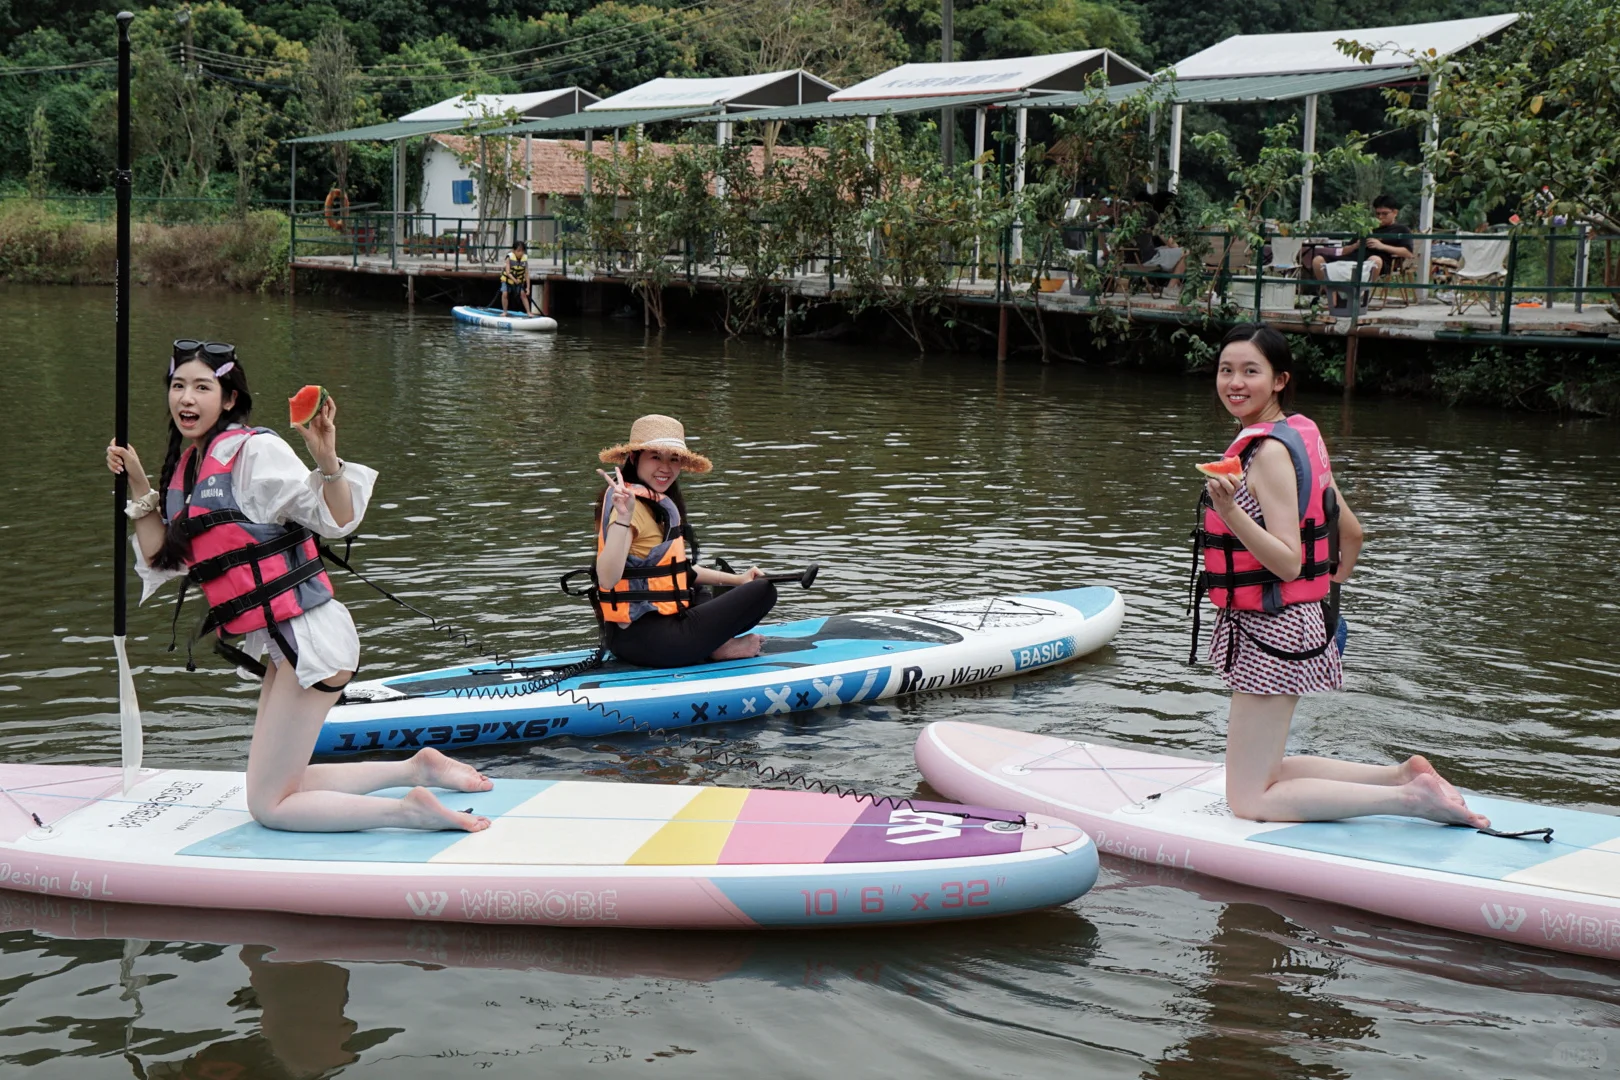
(284, 735)
(739, 648)
(1256, 787)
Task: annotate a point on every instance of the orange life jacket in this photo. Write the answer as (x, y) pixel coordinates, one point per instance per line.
(661, 582)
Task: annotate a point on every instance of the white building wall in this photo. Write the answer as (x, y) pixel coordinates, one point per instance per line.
(439, 168)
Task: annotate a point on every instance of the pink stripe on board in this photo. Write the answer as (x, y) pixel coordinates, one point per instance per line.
(51, 791)
(767, 829)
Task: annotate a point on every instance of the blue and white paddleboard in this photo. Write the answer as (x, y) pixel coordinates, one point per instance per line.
(810, 664)
(501, 320)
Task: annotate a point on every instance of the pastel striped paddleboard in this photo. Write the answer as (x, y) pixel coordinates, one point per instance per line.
(810, 664)
(560, 853)
(1171, 811)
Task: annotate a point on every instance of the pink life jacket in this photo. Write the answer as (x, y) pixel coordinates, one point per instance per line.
(254, 576)
(1232, 576)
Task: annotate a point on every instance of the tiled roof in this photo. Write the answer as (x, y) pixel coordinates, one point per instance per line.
(557, 166)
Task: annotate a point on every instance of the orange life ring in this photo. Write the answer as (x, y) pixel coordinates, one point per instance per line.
(337, 208)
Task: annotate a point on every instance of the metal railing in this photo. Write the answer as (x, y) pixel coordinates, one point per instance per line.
(1540, 268)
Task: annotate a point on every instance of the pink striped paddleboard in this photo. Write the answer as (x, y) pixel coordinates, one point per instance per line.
(1155, 808)
(557, 853)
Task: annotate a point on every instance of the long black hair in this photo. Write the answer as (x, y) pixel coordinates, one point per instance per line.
(176, 546)
(674, 493)
(1274, 347)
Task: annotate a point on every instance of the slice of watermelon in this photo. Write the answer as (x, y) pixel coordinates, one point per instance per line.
(305, 405)
(1229, 467)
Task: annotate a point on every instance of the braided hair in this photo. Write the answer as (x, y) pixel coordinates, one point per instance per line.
(176, 545)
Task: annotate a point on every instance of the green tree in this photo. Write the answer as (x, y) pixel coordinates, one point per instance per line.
(329, 90)
(39, 154)
(1540, 109)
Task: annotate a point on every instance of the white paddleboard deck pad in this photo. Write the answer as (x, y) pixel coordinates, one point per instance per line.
(810, 664)
(1155, 808)
(562, 853)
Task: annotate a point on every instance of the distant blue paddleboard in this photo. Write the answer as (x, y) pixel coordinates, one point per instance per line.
(501, 320)
(810, 664)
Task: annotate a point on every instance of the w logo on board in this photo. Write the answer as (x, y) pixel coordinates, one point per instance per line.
(921, 826)
(1499, 918)
(427, 903)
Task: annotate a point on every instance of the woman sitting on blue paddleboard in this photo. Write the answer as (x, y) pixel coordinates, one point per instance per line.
(236, 511)
(1276, 540)
(646, 575)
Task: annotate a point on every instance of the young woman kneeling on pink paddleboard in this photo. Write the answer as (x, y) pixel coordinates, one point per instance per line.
(236, 511)
(1275, 542)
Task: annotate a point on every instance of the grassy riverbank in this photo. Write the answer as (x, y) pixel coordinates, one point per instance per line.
(40, 246)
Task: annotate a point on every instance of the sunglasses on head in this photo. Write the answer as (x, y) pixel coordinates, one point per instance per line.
(210, 352)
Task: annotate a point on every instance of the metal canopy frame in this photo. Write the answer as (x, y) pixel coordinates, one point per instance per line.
(605, 120)
(854, 110)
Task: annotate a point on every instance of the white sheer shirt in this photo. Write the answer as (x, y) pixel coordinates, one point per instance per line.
(273, 486)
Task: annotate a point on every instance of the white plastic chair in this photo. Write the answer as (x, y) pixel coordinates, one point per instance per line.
(1284, 262)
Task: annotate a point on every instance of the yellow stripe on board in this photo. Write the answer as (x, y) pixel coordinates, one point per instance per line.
(697, 835)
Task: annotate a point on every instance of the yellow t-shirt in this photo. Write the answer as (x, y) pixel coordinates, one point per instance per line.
(645, 532)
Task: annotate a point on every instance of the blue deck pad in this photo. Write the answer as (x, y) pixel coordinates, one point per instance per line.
(254, 841)
(1402, 841)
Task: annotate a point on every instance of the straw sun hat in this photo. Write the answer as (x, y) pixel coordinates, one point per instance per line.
(657, 433)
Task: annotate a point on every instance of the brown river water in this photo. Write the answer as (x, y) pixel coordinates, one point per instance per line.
(1484, 617)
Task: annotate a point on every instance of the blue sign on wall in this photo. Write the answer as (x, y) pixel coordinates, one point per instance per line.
(461, 192)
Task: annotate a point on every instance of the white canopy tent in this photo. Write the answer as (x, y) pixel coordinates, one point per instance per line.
(1248, 56)
(1018, 77)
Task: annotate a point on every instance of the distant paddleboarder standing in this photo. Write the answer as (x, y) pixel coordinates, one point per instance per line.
(1275, 540)
(236, 512)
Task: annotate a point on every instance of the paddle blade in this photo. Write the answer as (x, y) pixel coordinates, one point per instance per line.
(129, 718)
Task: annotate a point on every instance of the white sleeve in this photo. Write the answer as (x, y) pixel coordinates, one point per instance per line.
(273, 486)
(152, 579)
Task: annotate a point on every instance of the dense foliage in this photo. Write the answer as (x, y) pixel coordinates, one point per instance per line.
(252, 71)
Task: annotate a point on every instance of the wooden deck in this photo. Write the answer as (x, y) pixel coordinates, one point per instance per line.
(1429, 320)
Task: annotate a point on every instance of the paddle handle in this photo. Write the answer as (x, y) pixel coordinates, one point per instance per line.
(803, 577)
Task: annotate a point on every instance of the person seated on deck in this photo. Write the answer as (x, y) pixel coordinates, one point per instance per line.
(1163, 260)
(1389, 245)
(515, 277)
(647, 576)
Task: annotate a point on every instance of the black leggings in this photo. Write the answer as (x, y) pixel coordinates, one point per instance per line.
(692, 636)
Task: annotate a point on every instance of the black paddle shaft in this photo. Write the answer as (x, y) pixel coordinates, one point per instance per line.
(123, 181)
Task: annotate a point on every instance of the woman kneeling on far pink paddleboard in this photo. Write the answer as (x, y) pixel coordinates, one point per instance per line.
(236, 511)
(1276, 539)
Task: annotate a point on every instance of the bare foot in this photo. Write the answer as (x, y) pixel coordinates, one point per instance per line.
(433, 769)
(423, 810)
(739, 648)
(1429, 798)
(1417, 765)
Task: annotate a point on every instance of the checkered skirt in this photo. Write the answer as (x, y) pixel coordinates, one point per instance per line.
(1297, 628)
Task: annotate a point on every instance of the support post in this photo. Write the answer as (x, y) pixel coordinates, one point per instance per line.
(1306, 175)
(410, 291)
(1020, 142)
(1001, 337)
(978, 181)
(1431, 140)
(398, 201)
(722, 136)
(1153, 141)
(292, 184)
(587, 191)
(947, 117)
(1352, 346)
(871, 138)
(1175, 146)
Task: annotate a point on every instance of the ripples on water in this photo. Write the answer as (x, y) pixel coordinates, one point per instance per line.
(1483, 620)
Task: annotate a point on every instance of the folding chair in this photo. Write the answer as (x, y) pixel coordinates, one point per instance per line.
(1284, 263)
(1400, 279)
(1481, 266)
